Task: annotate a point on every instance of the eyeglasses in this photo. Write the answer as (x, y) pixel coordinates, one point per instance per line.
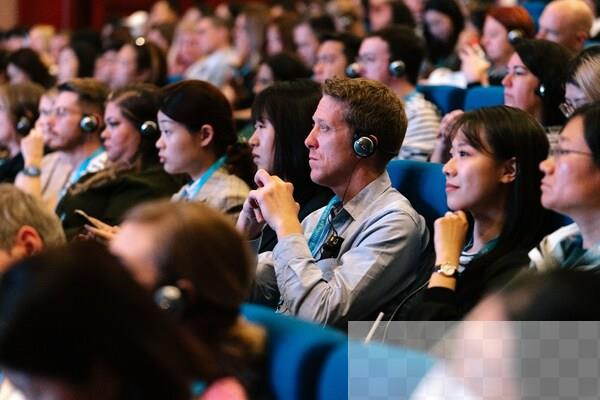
(558, 152)
(61, 112)
(568, 107)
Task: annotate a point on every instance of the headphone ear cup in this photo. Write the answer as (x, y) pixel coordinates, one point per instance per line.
(149, 128)
(364, 146)
(353, 70)
(397, 68)
(540, 90)
(23, 126)
(89, 123)
(171, 299)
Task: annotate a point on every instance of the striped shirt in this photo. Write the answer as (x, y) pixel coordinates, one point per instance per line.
(423, 127)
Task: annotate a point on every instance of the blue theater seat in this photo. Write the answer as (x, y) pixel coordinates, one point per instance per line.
(355, 370)
(423, 184)
(534, 9)
(484, 96)
(446, 98)
(296, 350)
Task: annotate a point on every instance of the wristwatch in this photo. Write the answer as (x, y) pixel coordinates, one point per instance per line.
(30, 170)
(446, 269)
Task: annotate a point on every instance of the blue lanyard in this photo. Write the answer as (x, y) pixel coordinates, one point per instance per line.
(80, 171)
(196, 186)
(409, 96)
(322, 229)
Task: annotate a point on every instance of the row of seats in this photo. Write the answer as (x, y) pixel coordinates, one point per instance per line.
(449, 98)
(307, 361)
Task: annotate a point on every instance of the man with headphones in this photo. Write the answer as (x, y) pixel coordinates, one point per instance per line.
(393, 56)
(354, 257)
(335, 56)
(73, 127)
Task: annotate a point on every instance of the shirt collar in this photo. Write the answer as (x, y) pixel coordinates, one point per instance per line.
(356, 206)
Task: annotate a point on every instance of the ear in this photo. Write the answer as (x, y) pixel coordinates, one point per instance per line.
(205, 135)
(28, 241)
(509, 174)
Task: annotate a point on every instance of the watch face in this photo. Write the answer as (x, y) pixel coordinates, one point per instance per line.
(448, 269)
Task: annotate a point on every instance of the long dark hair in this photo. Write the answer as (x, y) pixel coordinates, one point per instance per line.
(535, 54)
(438, 50)
(510, 133)
(62, 321)
(30, 63)
(195, 103)
(289, 107)
(149, 57)
(139, 104)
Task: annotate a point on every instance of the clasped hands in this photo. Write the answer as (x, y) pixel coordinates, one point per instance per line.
(271, 203)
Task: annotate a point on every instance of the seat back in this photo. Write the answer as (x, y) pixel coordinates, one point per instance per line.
(446, 98)
(355, 370)
(296, 350)
(423, 184)
(484, 96)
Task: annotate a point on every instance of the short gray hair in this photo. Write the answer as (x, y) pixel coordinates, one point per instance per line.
(18, 209)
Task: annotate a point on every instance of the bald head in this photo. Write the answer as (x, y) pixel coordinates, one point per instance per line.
(566, 22)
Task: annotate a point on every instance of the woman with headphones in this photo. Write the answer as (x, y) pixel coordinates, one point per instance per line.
(197, 138)
(18, 113)
(198, 269)
(134, 173)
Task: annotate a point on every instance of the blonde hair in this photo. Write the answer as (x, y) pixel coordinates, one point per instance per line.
(587, 76)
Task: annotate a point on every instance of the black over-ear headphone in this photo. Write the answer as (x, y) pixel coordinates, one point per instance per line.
(172, 300)
(397, 68)
(89, 123)
(24, 123)
(515, 36)
(540, 90)
(364, 145)
(148, 128)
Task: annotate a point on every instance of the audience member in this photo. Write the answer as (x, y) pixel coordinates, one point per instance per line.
(198, 139)
(72, 127)
(18, 114)
(393, 57)
(535, 85)
(76, 60)
(133, 173)
(583, 75)
(75, 325)
(307, 35)
(493, 176)
(280, 67)
(282, 116)
(27, 227)
(159, 243)
(571, 186)
(383, 13)
(352, 258)
(219, 58)
(566, 22)
(280, 36)
(499, 22)
(443, 22)
(139, 63)
(336, 52)
(25, 65)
